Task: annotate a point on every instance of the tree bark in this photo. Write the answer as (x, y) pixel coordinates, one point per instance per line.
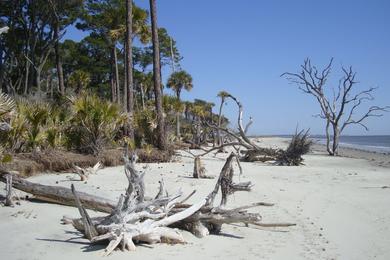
(328, 138)
(336, 139)
(26, 78)
(178, 118)
(129, 67)
(157, 78)
(60, 72)
(118, 92)
(219, 140)
(113, 76)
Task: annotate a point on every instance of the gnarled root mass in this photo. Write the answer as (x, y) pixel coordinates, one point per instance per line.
(136, 220)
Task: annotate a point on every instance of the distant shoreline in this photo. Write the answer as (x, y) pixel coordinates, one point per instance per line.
(375, 158)
(369, 143)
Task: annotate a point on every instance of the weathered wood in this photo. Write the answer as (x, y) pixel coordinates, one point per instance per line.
(89, 228)
(59, 195)
(134, 219)
(225, 182)
(8, 198)
(199, 170)
(84, 173)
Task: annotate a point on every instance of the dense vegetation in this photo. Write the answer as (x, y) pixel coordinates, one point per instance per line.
(79, 96)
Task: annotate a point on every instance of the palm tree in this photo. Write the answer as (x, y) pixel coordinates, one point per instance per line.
(178, 81)
(223, 95)
(161, 140)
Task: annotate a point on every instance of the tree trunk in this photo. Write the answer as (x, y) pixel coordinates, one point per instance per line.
(219, 140)
(118, 92)
(2, 67)
(38, 79)
(142, 96)
(113, 76)
(113, 86)
(60, 73)
(330, 151)
(26, 78)
(157, 78)
(178, 119)
(129, 67)
(336, 139)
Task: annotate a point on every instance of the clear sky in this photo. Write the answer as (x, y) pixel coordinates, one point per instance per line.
(243, 47)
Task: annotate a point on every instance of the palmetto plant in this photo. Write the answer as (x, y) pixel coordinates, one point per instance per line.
(36, 116)
(28, 126)
(79, 80)
(145, 123)
(94, 123)
(7, 108)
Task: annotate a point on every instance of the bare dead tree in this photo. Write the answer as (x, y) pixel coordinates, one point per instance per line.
(338, 108)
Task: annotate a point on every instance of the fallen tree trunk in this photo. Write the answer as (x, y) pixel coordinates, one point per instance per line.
(59, 195)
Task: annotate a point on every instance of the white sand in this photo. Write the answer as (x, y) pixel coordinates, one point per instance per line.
(337, 203)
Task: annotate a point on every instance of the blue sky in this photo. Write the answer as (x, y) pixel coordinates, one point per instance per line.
(243, 47)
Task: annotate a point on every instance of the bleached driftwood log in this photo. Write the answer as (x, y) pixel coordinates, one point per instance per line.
(84, 173)
(58, 195)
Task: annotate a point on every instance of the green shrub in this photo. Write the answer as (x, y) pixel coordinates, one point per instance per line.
(94, 123)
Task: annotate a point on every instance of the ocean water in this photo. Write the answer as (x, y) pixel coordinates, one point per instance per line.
(374, 143)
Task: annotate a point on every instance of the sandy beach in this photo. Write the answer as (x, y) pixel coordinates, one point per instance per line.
(340, 206)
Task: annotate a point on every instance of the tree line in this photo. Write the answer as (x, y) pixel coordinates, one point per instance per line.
(119, 60)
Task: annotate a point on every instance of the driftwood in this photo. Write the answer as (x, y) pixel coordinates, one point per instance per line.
(58, 195)
(136, 220)
(239, 139)
(199, 170)
(84, 173)
(8, 198)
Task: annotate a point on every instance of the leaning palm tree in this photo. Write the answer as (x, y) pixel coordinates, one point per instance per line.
(223, 95)
(177, 82)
